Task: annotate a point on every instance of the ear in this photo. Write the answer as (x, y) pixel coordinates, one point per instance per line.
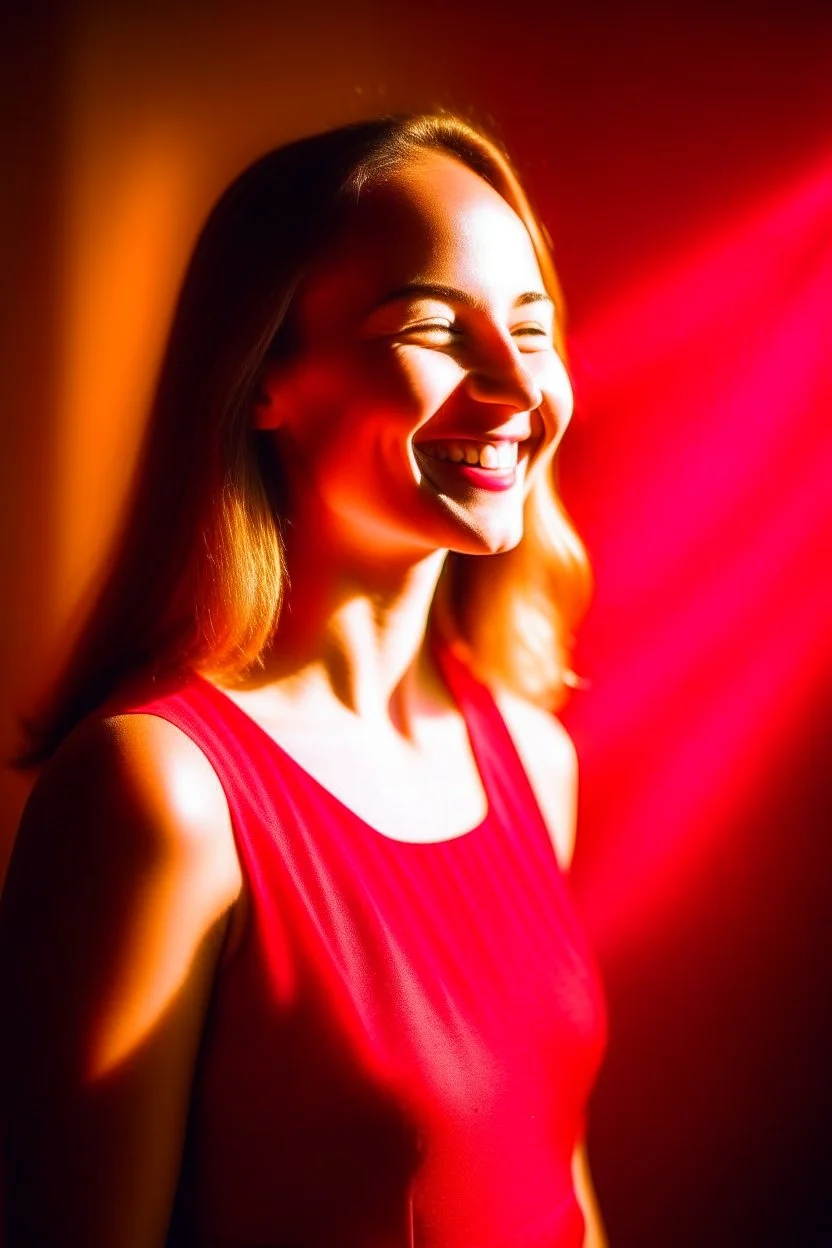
(270, 404)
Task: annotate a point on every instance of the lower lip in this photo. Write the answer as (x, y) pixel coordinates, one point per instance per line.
(494, 479)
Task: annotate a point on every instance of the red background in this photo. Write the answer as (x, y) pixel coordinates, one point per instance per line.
(683, 163)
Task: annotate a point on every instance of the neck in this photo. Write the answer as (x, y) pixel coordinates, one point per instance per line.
(354, 629)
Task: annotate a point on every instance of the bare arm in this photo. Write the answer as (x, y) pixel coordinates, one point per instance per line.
(595, 1235)
(114, 915)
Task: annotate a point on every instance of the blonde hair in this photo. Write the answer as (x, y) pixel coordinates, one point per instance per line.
(197, 579)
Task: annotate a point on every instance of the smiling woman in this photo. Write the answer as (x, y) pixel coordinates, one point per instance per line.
(423, 349)
(286, 927)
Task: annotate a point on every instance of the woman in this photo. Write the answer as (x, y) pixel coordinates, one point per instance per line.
(302, 970)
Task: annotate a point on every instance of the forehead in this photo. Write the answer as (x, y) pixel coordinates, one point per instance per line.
(432, 221)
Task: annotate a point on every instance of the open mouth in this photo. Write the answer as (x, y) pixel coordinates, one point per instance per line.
(489, 465)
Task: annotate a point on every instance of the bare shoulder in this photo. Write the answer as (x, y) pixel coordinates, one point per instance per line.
(139, 782)
(551, 763)
(115, 914)
(129, 801)
(126, 840)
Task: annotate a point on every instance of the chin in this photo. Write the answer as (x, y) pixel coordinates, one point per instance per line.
(491, 540)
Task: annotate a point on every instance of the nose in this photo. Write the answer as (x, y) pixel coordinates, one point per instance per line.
(503, 378)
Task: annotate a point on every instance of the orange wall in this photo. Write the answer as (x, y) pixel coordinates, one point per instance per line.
(123, 127)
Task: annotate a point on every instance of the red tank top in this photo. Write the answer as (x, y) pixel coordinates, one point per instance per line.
(399, 1053)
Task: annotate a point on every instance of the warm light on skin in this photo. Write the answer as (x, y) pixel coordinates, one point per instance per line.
(158, 953)
(356, 407)
(140, 1000)
(426, 320)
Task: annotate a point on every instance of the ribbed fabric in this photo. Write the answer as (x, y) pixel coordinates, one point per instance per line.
(400, 1052)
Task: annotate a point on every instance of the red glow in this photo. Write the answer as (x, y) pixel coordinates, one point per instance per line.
(701, 474)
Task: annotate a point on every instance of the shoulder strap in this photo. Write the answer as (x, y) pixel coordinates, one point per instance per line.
(503, 773)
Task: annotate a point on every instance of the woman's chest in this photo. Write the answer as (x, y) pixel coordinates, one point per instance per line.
(417, 1020)
(429, 789)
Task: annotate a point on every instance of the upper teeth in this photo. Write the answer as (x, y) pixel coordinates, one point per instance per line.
(485, 454)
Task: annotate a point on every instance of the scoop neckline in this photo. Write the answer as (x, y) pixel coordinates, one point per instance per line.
(342, 806)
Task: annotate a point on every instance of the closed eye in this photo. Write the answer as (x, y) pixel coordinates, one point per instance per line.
(444, 327)
(532, 337)
(440, 333)
(430, 327)
(533, 330)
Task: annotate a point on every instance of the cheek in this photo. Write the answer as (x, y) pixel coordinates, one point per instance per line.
(385, 401)
(425, 379)
(555, 412)
(349, 417)
(394, 382)
(556, 388)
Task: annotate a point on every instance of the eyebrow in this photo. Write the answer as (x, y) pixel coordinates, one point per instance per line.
(451, 295)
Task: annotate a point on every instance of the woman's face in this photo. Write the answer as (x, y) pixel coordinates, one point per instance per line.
(408, 413)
